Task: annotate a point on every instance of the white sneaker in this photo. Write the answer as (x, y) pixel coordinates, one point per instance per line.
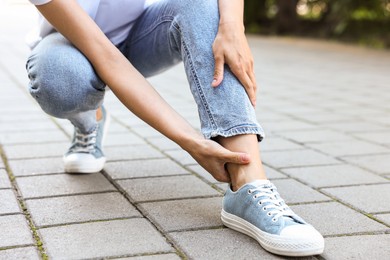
(85, 155)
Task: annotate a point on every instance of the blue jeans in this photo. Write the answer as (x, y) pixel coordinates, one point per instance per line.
(170, 31)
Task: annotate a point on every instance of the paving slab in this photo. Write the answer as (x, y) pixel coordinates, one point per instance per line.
(284, 159)
(220, 243)
(355, 127)
(185, 214)
(62, 184)
(322, 117)
(381, 137)
(135, 152)
(153, 257)
(146, 131)
(117, 127)
(26, 117)
(35, 150)
(288, 125)
(334, 175)
(200, 171)
(28, 137)
(164, 188)
(28, 126)
(181, 157)
(81, 208)
(14, 231)
(163, 143)
(103, 239)
(357, 247)
(23, 253)
(293, 191)
(363, 197)
(273, 174)
(143, 168)
(332, 218)
(376, 163)
(278, 144)
(122, 139)
(37, 166)
(316, 136)
(8, 202)
(4, 180)
(347, 148)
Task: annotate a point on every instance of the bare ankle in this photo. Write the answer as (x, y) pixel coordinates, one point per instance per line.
(99, 114)
(241, 175)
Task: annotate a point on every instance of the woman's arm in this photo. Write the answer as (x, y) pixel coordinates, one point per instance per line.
(231, 47)
(132, 89)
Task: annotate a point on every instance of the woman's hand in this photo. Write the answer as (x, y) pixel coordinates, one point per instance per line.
(231, 47)
(213, 157)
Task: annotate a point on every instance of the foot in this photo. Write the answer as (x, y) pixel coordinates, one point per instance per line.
(257, 210)
(85, 155)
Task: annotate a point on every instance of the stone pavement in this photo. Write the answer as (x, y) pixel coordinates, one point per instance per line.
(324, 106)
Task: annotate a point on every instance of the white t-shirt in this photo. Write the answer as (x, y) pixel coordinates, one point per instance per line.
(114, 17)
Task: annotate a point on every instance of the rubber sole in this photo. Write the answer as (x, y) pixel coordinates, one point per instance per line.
(85, 167)
(273, 243)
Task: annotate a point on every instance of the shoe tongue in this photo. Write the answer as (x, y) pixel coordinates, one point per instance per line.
(258, 183)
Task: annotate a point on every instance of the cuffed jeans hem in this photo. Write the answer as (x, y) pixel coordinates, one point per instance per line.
(239, 130)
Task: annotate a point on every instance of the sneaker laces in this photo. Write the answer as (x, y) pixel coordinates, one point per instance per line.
(270, 198)
(84, 143)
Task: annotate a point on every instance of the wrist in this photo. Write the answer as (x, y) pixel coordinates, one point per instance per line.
(191, 142)
(231, 25)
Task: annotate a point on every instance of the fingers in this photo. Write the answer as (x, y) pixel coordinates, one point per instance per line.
(218, 71)
(247, 79)
(237, 158)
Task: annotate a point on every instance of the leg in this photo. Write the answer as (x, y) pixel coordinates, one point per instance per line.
(242, 174)
(170, 31)
(65, 85)
(181, 29)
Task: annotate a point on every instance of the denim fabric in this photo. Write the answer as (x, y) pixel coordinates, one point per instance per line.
(168, 32)
(64, 82)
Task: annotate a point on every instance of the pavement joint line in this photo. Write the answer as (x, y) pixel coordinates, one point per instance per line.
(39, 174)
(152, 177)
(32, 158)
(369, 233)
(136, 159)
(353, 185)
(198, 229)
(136, 205)
(137, 255)
(181, 198)
(11, 214)
(87, 222)
(15, 247)
(301, 166)
(142, 159)
(38, 241)
(366, 154)
(71, 194)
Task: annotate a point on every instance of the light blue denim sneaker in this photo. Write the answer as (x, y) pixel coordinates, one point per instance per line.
(257, 210)
(85, 155)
